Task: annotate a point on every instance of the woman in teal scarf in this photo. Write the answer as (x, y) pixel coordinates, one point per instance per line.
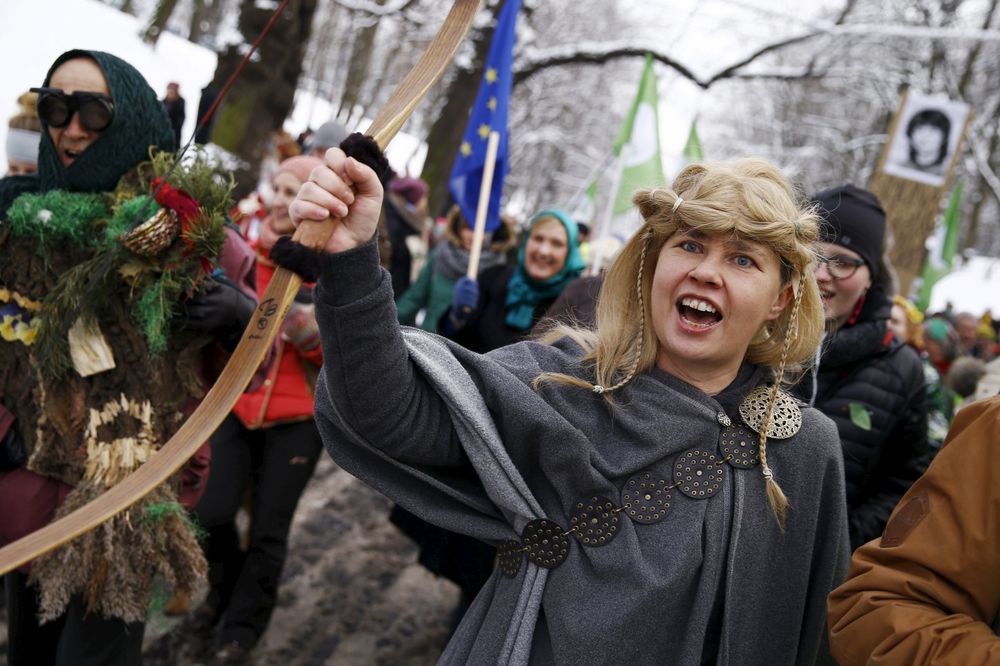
(506, 301)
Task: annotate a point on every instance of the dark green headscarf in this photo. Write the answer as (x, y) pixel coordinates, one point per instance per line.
(523, 293)
(139, 122)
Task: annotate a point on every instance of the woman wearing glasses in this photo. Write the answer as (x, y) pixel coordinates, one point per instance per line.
(869, 383)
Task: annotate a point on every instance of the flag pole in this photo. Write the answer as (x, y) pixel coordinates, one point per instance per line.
(484, 204)
(605, 226)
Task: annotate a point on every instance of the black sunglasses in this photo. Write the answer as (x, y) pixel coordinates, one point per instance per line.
(56, 108)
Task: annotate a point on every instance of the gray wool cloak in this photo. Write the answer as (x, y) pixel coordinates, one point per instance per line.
(465, 442)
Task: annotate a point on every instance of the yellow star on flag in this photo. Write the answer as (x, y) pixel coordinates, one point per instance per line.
(492, 104)
(484, 130)
(491, 75)
(466, 149)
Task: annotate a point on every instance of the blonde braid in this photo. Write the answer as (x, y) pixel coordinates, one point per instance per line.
(597, 388)
(775, 496)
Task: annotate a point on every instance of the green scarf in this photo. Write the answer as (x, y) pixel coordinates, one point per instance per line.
(139, 122)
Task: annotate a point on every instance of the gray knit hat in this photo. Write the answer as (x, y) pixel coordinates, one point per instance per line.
(328, 135)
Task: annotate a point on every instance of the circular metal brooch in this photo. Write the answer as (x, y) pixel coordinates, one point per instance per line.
(547, 543)
(646, 498)
(594, 521)
(786, 419)
(699, 474)
(739, 444)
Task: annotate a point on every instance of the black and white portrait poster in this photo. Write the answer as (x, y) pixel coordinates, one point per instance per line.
(926, 139)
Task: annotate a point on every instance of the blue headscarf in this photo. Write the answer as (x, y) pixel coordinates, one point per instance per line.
(524, 293)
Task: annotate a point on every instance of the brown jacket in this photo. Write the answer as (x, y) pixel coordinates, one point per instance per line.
(928, 591)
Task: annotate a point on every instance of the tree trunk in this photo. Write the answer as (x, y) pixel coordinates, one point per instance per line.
(164, 8)
(357, 69)
(197, 30)
(445, 135)
(262, 95)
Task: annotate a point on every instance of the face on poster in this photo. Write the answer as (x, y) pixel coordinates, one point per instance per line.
(926, 139)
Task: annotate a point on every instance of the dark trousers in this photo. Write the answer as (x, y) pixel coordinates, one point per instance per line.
(76, 638)
(275, 464)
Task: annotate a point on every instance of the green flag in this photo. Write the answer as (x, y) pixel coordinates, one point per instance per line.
(940, 258)
(692, 149)
(638, 144)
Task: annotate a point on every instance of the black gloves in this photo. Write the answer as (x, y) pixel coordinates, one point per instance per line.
(224, 310)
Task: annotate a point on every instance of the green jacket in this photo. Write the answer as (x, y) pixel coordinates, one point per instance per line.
(432, 292)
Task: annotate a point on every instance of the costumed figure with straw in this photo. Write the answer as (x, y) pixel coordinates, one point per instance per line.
(120, 288)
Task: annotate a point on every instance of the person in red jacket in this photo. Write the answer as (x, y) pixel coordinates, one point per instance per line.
(269, 445)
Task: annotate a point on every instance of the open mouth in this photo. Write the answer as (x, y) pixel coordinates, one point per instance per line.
(698, 313)
(70, 155)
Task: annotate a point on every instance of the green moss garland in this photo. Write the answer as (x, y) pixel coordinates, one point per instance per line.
(97, 221)
(57, 217)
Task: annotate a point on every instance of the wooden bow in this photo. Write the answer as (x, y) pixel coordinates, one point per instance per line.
(258, 336)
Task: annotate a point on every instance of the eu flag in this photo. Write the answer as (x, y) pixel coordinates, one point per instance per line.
(488, 113)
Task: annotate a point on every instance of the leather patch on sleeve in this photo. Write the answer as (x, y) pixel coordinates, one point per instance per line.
(904, 521)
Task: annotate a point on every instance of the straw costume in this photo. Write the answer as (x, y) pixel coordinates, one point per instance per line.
(92, 361)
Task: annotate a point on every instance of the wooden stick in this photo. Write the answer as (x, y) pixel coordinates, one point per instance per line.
(479, 232)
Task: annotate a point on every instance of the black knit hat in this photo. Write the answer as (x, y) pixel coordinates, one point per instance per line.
(853, 218)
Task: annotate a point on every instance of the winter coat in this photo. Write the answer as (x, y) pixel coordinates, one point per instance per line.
(400, 222)
(576, 305)
(487, 328)
(928, 592)
(466, 442)
(432, 292)
(176, 113)
(448, 261)
(873, 388)
(287, 393)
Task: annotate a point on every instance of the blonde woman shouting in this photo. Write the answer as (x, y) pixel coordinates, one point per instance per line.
(656, 496)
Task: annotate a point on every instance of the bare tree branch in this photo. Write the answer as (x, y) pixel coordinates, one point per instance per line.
(970, 60)
(985, 170)
(593, 53)
(728, 72)
(374, 9)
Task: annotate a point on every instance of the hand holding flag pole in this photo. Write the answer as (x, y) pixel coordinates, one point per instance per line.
(482, 208)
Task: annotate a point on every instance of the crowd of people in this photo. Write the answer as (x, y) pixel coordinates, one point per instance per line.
(669, 462)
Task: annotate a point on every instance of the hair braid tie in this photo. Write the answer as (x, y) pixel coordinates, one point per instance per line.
(775, 496)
